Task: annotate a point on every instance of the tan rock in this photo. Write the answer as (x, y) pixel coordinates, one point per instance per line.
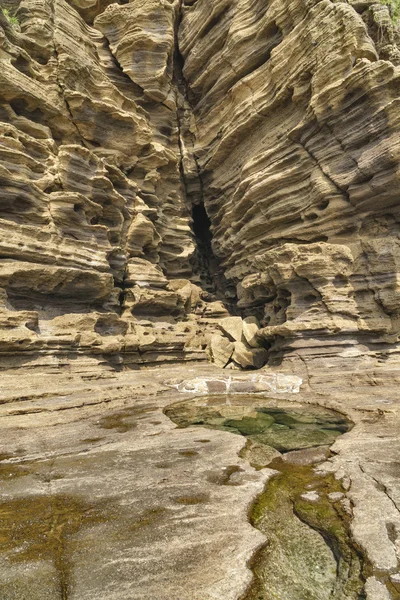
(232, 327)
(215, 310)
(376, 590)
(221, 350)
(249, 357)
(251, 326)
(144, 274)
(134, 31)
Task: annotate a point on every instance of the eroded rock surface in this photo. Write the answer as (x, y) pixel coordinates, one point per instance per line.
(103, 497)
(297, 136)
(184, 180)
(273, 124)
(97, 251)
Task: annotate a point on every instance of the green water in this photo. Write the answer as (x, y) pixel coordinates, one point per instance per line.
(309, 553)
(284, 428)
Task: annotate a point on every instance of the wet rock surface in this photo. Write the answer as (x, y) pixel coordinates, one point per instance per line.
(309, 552)
(115, 500)
(283, 426)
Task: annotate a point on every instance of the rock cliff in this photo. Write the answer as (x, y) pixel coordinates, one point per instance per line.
(296, 108)
(185, 180)
(165, 164)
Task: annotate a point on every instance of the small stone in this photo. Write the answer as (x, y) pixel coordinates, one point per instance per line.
(335, 496)
(216, 386)
(308, 456)
(310, 496)
(233, 328)
(233, 366)
(346, 483)
(242, 387)
(250, 329)
(376, 590)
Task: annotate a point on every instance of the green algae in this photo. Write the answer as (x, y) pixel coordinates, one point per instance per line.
(309, 553)
(148, 517)
(281, 512)
(224, 477)
(188, 453)
(124, 420)
(40, 528)
(10, 470)
(121, 421)
(250, 425)
(285, 429)
(192, 500)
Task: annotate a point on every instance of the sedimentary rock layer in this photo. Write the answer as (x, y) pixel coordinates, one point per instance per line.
(274, 125)
(296, 107)
(96, 249)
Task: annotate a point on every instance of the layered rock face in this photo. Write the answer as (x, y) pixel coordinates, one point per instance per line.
(297, 129)
(274, 124)
(96, 244)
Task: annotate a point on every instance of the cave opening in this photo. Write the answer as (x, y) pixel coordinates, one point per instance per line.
(205, 263)
(206, 267)
(201, 225)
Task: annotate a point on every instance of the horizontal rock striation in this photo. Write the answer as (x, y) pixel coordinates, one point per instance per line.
(296, 106)
(96, 246)
(168, 163)
(190, 180)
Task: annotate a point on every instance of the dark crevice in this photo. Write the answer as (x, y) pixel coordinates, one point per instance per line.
(205, 264)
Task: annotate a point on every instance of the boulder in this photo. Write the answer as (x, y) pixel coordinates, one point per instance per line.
(221, 350)
(251, 326)
(249, 357)
(233, 328)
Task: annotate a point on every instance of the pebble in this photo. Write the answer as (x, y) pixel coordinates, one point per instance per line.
(311, 496)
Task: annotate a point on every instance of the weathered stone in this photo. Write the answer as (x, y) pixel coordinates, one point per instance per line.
(249, 357)
(141, 37)
(142, 273)
(287, 159)
(233, 328)
(93, 200)
(376, 590)
(251, 326)
(221, 350)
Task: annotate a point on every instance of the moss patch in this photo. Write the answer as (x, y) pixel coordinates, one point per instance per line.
(39, 528)
(280, 513)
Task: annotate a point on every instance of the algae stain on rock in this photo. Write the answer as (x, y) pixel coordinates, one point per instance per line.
(40, 528)
(309, 553)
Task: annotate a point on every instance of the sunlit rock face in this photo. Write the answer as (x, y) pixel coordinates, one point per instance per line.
(297, 139)
(95, 238)
(118, 119)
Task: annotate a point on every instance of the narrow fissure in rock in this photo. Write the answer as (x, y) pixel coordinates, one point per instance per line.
(206, 263)
(206, 268)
